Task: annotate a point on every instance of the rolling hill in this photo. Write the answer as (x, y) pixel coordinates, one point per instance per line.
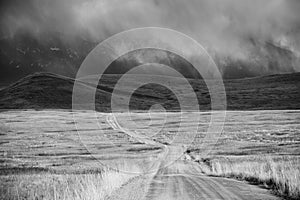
(51, 91)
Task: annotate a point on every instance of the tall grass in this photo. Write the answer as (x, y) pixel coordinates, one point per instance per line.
(282, 174)
(49, 186)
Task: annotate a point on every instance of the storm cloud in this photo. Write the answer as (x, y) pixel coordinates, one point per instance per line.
(227, 28)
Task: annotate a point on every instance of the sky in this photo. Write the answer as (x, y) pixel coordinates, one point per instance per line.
(227, 28)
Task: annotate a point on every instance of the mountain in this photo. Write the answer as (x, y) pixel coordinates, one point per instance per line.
(50, 91)
(260, 58)
(24, 54)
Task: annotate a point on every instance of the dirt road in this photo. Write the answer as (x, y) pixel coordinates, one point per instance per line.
(182, 180)
(49, 139)
(185, 181)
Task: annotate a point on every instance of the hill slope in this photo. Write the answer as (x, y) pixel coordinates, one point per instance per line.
(50, 91)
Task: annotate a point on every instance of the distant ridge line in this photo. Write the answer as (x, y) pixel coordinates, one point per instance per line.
(51, 91)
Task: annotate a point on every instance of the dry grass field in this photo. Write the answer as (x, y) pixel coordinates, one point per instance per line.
(49, 185)
(280, 173)
(43, 155)
(261, 147)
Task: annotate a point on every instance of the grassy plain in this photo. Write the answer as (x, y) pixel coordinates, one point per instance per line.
(43, 154)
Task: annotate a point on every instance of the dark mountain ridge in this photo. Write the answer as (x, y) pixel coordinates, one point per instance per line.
(23, 54)
(51, 91)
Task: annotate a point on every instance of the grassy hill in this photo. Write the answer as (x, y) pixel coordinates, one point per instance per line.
(50, 91)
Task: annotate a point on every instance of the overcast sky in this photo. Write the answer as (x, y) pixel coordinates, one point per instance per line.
(214, 21)
(226, 26)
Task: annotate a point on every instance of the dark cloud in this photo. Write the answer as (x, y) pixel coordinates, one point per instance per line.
(228, 28)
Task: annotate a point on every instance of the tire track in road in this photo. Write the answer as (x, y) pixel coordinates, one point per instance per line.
(182, 180)
(113, 122)
(167, 185)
